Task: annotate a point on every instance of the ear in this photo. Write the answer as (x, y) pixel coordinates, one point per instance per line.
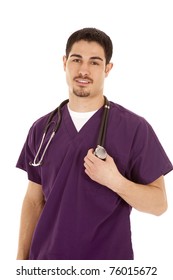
(64, 62)
(108, 68)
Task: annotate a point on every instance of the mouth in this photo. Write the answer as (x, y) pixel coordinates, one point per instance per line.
(82, 82)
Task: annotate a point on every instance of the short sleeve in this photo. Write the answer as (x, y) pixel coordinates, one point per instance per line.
(26, 157)
(148, 160)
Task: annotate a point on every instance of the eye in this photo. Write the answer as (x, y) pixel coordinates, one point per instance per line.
(77, 60)
(94, 62)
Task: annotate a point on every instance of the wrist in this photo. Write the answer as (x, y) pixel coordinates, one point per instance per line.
(22, 255)
(116, 183)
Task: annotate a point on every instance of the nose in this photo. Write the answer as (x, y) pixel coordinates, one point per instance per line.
(84, 69)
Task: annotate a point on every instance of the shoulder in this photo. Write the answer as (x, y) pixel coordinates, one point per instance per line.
(40, 123)
(126, 116)
(36, 129)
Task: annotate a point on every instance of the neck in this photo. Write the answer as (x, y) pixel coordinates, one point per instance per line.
(85, 104)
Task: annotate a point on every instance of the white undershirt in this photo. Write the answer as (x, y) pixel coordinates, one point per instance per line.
(80, 118)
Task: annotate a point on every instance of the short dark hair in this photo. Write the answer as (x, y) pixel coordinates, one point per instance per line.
(91, 35)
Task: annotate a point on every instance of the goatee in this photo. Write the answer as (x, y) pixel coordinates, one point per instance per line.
(81, 93)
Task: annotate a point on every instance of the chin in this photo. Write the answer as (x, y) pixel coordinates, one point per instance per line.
(81, 94)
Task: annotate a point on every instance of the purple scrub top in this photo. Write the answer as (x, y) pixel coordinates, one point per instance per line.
(81, 219)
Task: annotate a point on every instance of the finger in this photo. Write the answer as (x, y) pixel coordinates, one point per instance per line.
(87, 164)
(90, 153)
(92, 157)
(88, 160)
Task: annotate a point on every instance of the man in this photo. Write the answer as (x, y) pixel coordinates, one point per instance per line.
(78, 206)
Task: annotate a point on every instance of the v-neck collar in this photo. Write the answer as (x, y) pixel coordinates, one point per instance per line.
(70, 127)
(80, 118)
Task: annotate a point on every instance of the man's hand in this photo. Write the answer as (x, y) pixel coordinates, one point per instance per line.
(149, 198)
(102, 172)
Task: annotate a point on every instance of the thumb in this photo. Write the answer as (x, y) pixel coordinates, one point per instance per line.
(109, 158)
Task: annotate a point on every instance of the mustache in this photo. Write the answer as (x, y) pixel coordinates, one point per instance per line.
(84, 78)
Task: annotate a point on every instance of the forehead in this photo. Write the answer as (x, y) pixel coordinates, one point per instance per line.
(87, 49)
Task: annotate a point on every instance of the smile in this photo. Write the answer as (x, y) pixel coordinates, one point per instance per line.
(83, 81)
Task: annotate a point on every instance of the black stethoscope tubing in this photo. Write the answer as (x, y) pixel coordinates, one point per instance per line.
(100, 151)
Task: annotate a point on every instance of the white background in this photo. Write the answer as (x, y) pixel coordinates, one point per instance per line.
(33, 35)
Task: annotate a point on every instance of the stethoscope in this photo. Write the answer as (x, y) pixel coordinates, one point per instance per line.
(100, 151)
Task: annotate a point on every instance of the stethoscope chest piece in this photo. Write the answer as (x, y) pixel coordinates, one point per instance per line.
(100, 152)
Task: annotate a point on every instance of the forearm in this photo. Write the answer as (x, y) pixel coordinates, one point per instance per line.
(146, 198)
(29, 218)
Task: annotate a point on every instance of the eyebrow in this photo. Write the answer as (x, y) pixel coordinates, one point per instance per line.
(92, 57)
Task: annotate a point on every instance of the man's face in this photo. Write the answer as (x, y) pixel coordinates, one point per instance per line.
(86, 69)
